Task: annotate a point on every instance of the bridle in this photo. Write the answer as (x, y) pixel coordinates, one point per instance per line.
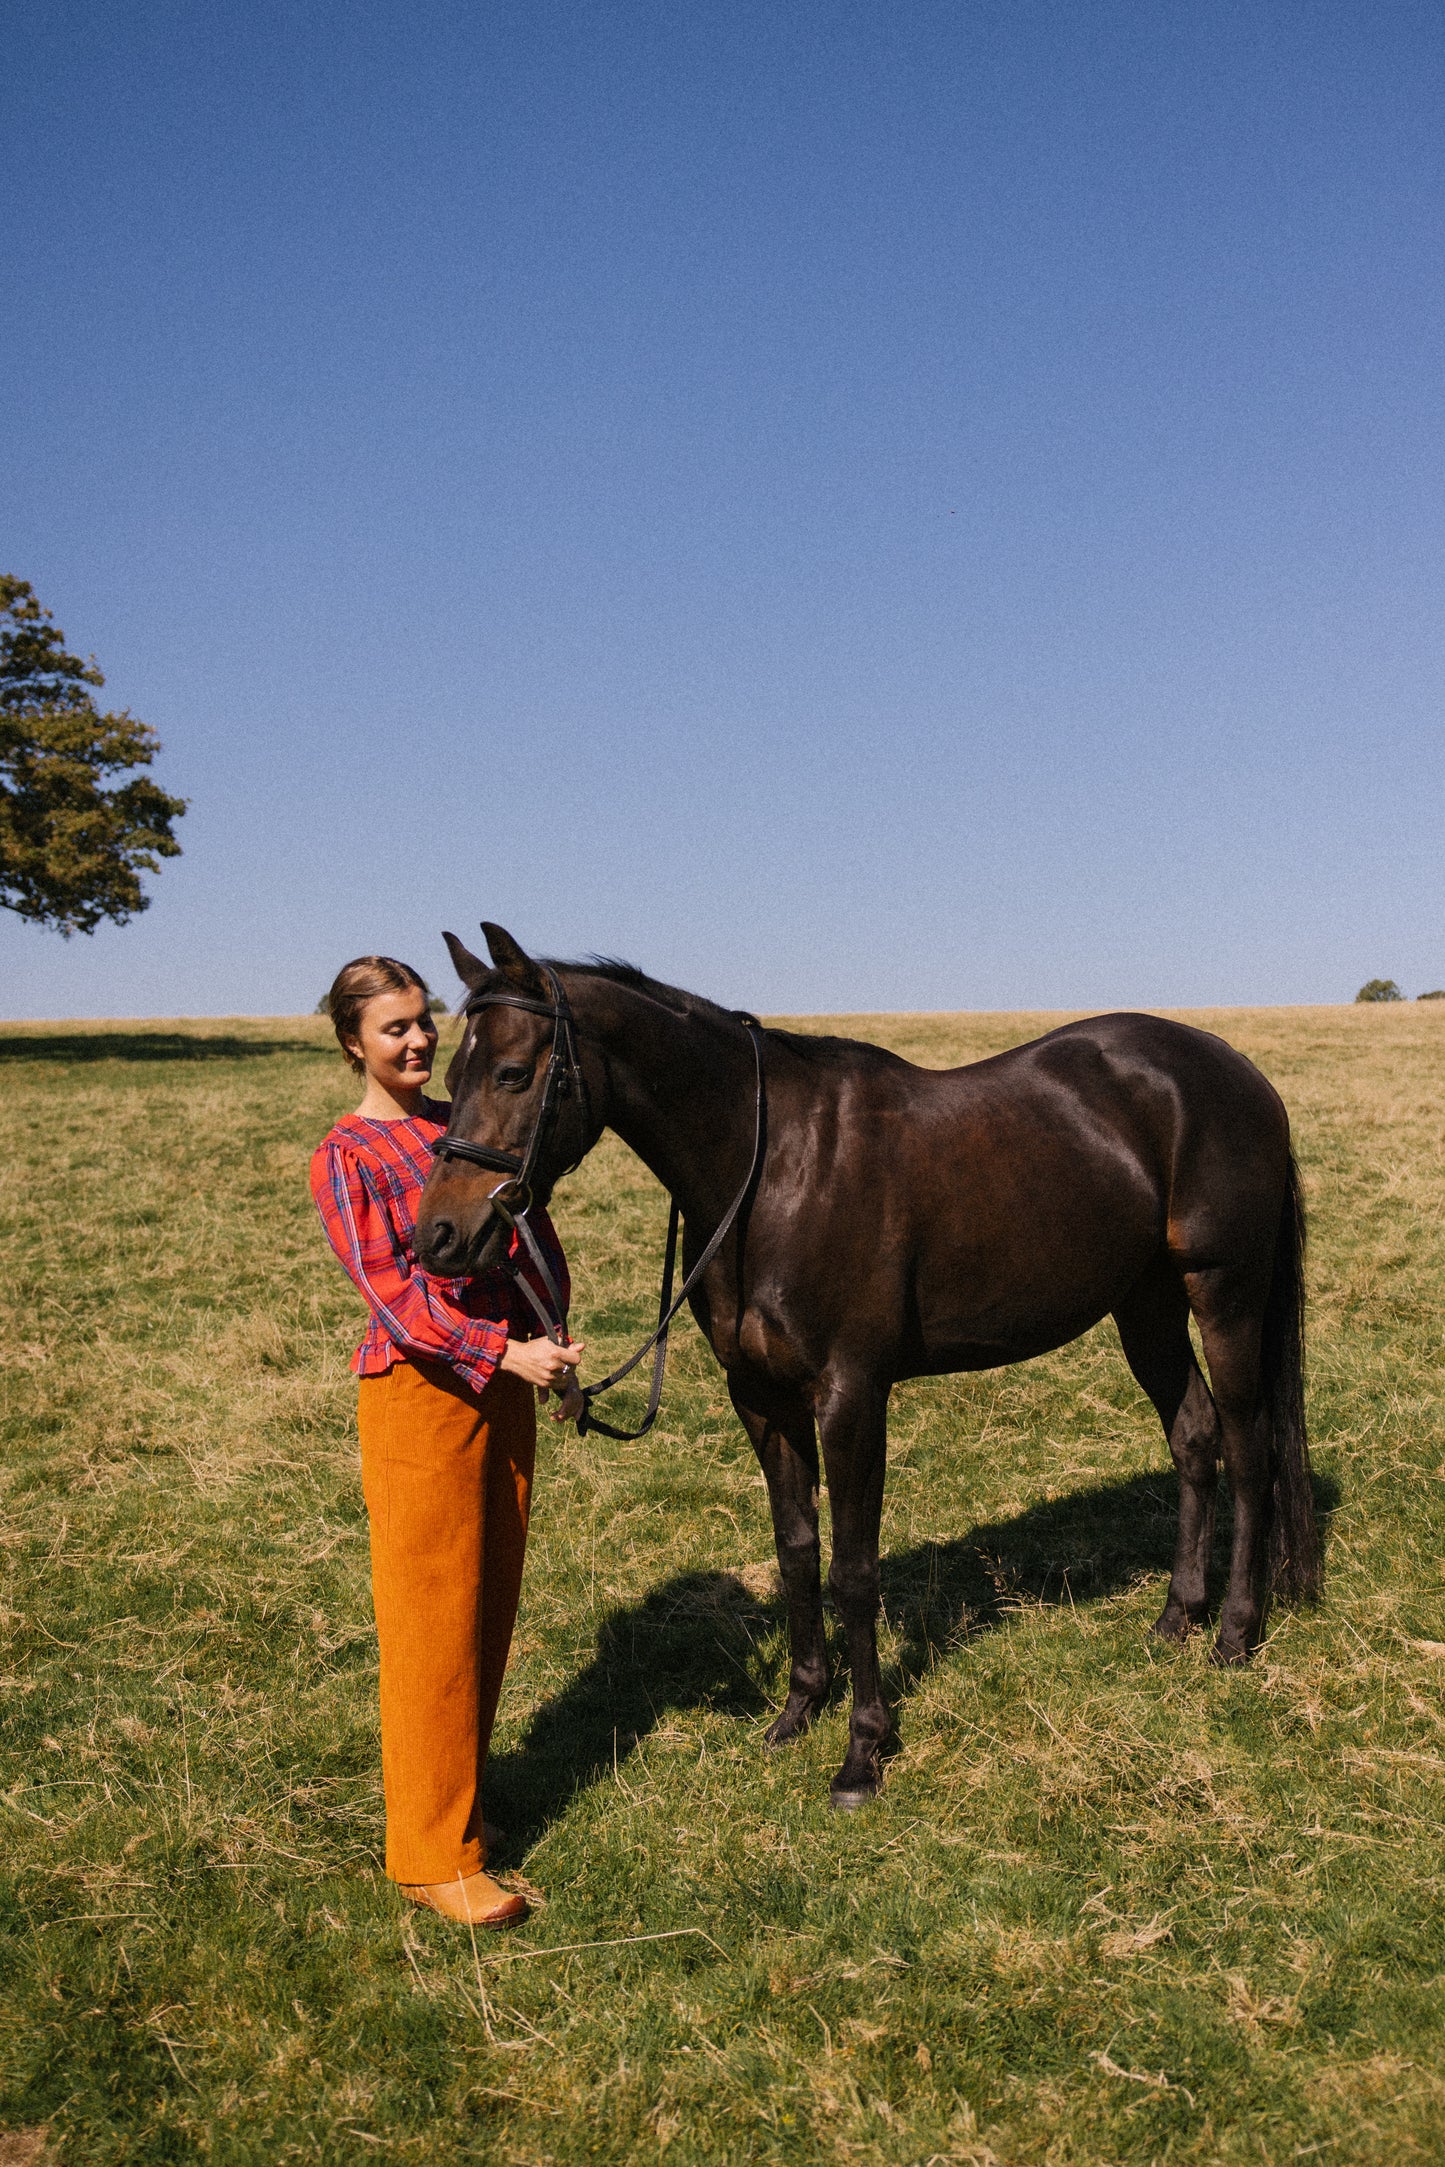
(511, 1200)
(564, 1077)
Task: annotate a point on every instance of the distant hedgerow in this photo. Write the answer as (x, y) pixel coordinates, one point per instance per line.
(436, 1002)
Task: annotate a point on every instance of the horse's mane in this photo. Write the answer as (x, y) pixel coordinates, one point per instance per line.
(691, 1005)
(807, 1046)
(695, 1007)
(618, 973)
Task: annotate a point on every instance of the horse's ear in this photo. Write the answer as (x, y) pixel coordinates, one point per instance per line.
(469, 968)
(514, 963)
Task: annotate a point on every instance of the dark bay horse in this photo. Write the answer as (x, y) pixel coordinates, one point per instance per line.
(905, 1222)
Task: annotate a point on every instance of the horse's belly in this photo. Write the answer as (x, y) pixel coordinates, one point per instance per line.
(978, 1312)
(940, 1355)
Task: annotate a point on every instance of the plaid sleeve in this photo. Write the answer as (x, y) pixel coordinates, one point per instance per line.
(416, 1312)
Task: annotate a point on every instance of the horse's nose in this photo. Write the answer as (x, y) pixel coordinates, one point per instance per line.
(436, 1240)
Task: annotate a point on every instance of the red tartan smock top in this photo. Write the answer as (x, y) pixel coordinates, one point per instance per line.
(367, 1176)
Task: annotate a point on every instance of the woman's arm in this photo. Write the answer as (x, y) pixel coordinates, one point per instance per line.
(414, 1311)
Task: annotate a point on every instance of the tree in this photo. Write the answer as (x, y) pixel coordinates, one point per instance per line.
(1379, 989)
(72, 844)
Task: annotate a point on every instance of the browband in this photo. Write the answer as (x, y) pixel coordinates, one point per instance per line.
(480, 1001)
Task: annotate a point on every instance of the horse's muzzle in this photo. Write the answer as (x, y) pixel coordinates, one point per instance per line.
(457, 1240)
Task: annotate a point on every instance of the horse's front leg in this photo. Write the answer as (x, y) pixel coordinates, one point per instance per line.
(853, 1418)
(787, 1448)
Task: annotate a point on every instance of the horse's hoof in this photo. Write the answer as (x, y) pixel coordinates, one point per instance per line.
(855, 1787)
(1171, 1624)
(789, 1725)
(1229, 1655)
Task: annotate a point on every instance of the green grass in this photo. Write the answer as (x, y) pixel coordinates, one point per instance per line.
(1112, 1907)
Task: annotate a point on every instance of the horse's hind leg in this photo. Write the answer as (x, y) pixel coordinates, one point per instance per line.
(1154, 1329)
(1230, 1315)
(787, 1448)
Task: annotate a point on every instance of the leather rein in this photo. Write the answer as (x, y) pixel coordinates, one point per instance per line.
(511, 1200)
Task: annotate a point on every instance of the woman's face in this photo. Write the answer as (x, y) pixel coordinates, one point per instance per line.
(397, 1039)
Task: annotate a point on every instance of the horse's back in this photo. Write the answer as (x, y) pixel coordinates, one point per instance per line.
(1132, 1047)
(1021, 1196)
(1130, 1041)
(1164, 1085)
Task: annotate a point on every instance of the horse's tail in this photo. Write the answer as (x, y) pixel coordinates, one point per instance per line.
(1295, 1565)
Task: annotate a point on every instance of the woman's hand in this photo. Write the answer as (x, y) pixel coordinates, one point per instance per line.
(544, 1364)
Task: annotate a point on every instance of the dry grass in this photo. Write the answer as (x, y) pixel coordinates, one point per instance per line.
(1112, 1906)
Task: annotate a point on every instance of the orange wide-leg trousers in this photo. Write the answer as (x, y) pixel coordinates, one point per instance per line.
(447, 1474)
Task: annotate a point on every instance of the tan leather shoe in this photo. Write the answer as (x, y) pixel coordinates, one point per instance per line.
(476, 1900)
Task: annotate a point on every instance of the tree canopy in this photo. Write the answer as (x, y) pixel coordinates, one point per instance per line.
(1379, 989)
(73, 843)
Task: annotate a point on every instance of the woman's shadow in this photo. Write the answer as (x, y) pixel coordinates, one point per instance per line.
(705, 1640)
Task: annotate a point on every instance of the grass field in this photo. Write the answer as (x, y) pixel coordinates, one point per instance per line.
(1113, 1906)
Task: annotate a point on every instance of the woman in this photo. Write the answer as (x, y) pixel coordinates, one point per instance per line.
(448, 1431)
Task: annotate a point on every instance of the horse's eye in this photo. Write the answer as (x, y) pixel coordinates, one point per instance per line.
(511, 1076)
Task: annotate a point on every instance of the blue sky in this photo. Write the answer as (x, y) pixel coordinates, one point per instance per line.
(927, 505)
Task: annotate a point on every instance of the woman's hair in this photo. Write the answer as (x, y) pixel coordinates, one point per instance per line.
(358, 982)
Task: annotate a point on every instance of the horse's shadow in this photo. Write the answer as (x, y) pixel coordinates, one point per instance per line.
(704, 1640)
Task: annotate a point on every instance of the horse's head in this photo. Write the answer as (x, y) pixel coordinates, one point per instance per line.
(519, 1104)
